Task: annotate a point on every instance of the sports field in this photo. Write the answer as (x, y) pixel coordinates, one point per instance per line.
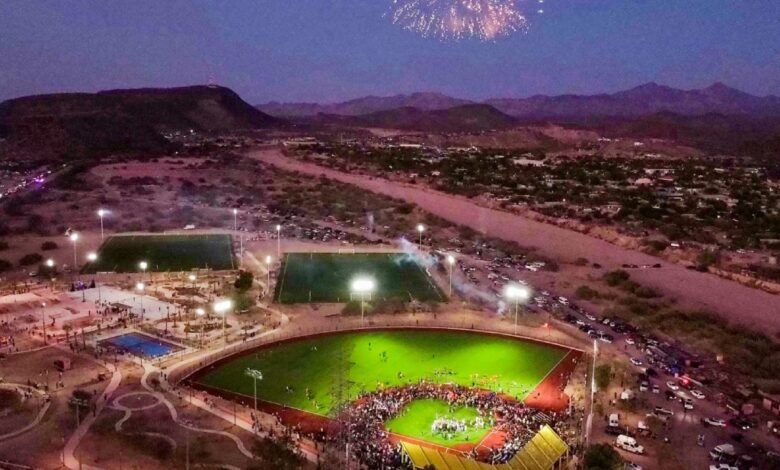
(417, 421)
(305, 374)
(122, 253)
(326, 277)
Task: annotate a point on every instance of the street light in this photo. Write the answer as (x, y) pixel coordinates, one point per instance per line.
(200, 312)
(362, 286)
(140, 287)
(235, 220)
(142, 266)
(101, 213)
(516, 293)
(268, 260)
(221, 307)
(256, 375)
(50, 265)
(43, 322)
(451, 263)
(279, 241)
(74, 237)
(420, 229)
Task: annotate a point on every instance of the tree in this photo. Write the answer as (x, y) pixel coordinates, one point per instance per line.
(602, 457)
(49, 245)
(5, 265)
(31, 258)
(244, 281)
(603, 376)
(3, 245)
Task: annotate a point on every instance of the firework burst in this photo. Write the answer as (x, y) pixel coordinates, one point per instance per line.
(486, 20)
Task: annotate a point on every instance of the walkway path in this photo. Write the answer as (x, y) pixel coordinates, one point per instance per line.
(733, 301)
(33, 423)
(69, 453)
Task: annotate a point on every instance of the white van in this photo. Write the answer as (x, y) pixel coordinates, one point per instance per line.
(721, 451)
(614, 420)
(629, 444)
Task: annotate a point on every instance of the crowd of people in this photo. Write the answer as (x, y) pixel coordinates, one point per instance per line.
(369, 441)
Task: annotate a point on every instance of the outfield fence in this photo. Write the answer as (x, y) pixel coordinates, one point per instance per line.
(548, 336)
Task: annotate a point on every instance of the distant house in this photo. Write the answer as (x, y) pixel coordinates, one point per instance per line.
(643, 182)
(523, 161)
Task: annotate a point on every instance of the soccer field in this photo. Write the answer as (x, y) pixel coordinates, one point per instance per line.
(122, 253)
(326, 277)
(304, 374)
(419, 415)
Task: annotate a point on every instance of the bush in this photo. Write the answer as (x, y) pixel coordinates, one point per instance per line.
(586, 293)
(244, 281)
(613, 278)
(5, 265)
(3, 245)
(49, 245)
(30, 259)
(581, 261)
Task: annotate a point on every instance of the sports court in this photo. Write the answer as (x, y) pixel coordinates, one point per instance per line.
(140, 345)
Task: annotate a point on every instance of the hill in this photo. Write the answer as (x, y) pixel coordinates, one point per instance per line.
(77, 125)
(465, 118)
(364, 105)
(643, 100)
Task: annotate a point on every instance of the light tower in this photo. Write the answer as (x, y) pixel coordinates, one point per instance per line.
(362, 286)
(420, 230)
(516, 293)
(101, 212)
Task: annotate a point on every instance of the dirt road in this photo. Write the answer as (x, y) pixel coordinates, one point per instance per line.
(733, 301)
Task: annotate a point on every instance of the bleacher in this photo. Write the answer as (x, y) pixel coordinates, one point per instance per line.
(545, 451)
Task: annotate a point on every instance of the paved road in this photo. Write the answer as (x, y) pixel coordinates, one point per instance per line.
(735, 302)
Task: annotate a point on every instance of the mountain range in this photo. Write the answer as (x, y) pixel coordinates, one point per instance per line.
(77, 125)
(643, 100)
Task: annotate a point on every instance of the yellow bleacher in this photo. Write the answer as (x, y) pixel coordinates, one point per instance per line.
(542, 452)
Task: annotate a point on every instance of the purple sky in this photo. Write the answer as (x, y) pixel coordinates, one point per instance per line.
(327, 50)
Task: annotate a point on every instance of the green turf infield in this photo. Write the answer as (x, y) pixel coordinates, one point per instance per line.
(122, 253)
(418, 417)
(326, 277)
(312, 368)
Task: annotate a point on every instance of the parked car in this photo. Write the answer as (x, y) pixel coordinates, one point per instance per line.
(698, 394)
(636, 361)
(717, 422)
(673, 385)
(741, 423)
(663, 411)
(629, 444)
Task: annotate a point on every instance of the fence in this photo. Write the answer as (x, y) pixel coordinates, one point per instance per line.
(177, 374)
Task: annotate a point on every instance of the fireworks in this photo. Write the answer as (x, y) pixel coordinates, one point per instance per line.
(486, 20)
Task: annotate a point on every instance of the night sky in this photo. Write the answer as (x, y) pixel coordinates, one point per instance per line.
(326, 50)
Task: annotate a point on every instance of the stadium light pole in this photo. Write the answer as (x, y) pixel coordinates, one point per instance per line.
(279, 241)
(140, 288)
(235, 220)
(420, 230)
(451, 263)
(363, 286)
(92, 257)
(200, 312)
(517, 294)
(268, 260)
(43, 321)
(101, 213)
(50, 265)
(142, 266)
(221, 307)
(74, 237)
(256, 375)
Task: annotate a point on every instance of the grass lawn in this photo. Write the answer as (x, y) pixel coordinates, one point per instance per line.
(122, 253)
(368, 360)
(326, 277)
(418, 417)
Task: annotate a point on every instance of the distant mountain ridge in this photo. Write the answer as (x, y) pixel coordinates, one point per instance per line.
(364, 105)
(74, 125)
(642, 100)
(463, 118)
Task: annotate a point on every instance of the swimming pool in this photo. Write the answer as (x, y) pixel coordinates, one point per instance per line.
(141, 345)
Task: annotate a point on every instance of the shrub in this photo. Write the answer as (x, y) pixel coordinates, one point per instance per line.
(49, 245)
(586, 293)
(30, 258)
(602, 457)
(5, 265)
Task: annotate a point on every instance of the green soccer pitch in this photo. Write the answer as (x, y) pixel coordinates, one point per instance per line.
(304, 373)
(326, 277)
(163, 253)
(417, 421)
